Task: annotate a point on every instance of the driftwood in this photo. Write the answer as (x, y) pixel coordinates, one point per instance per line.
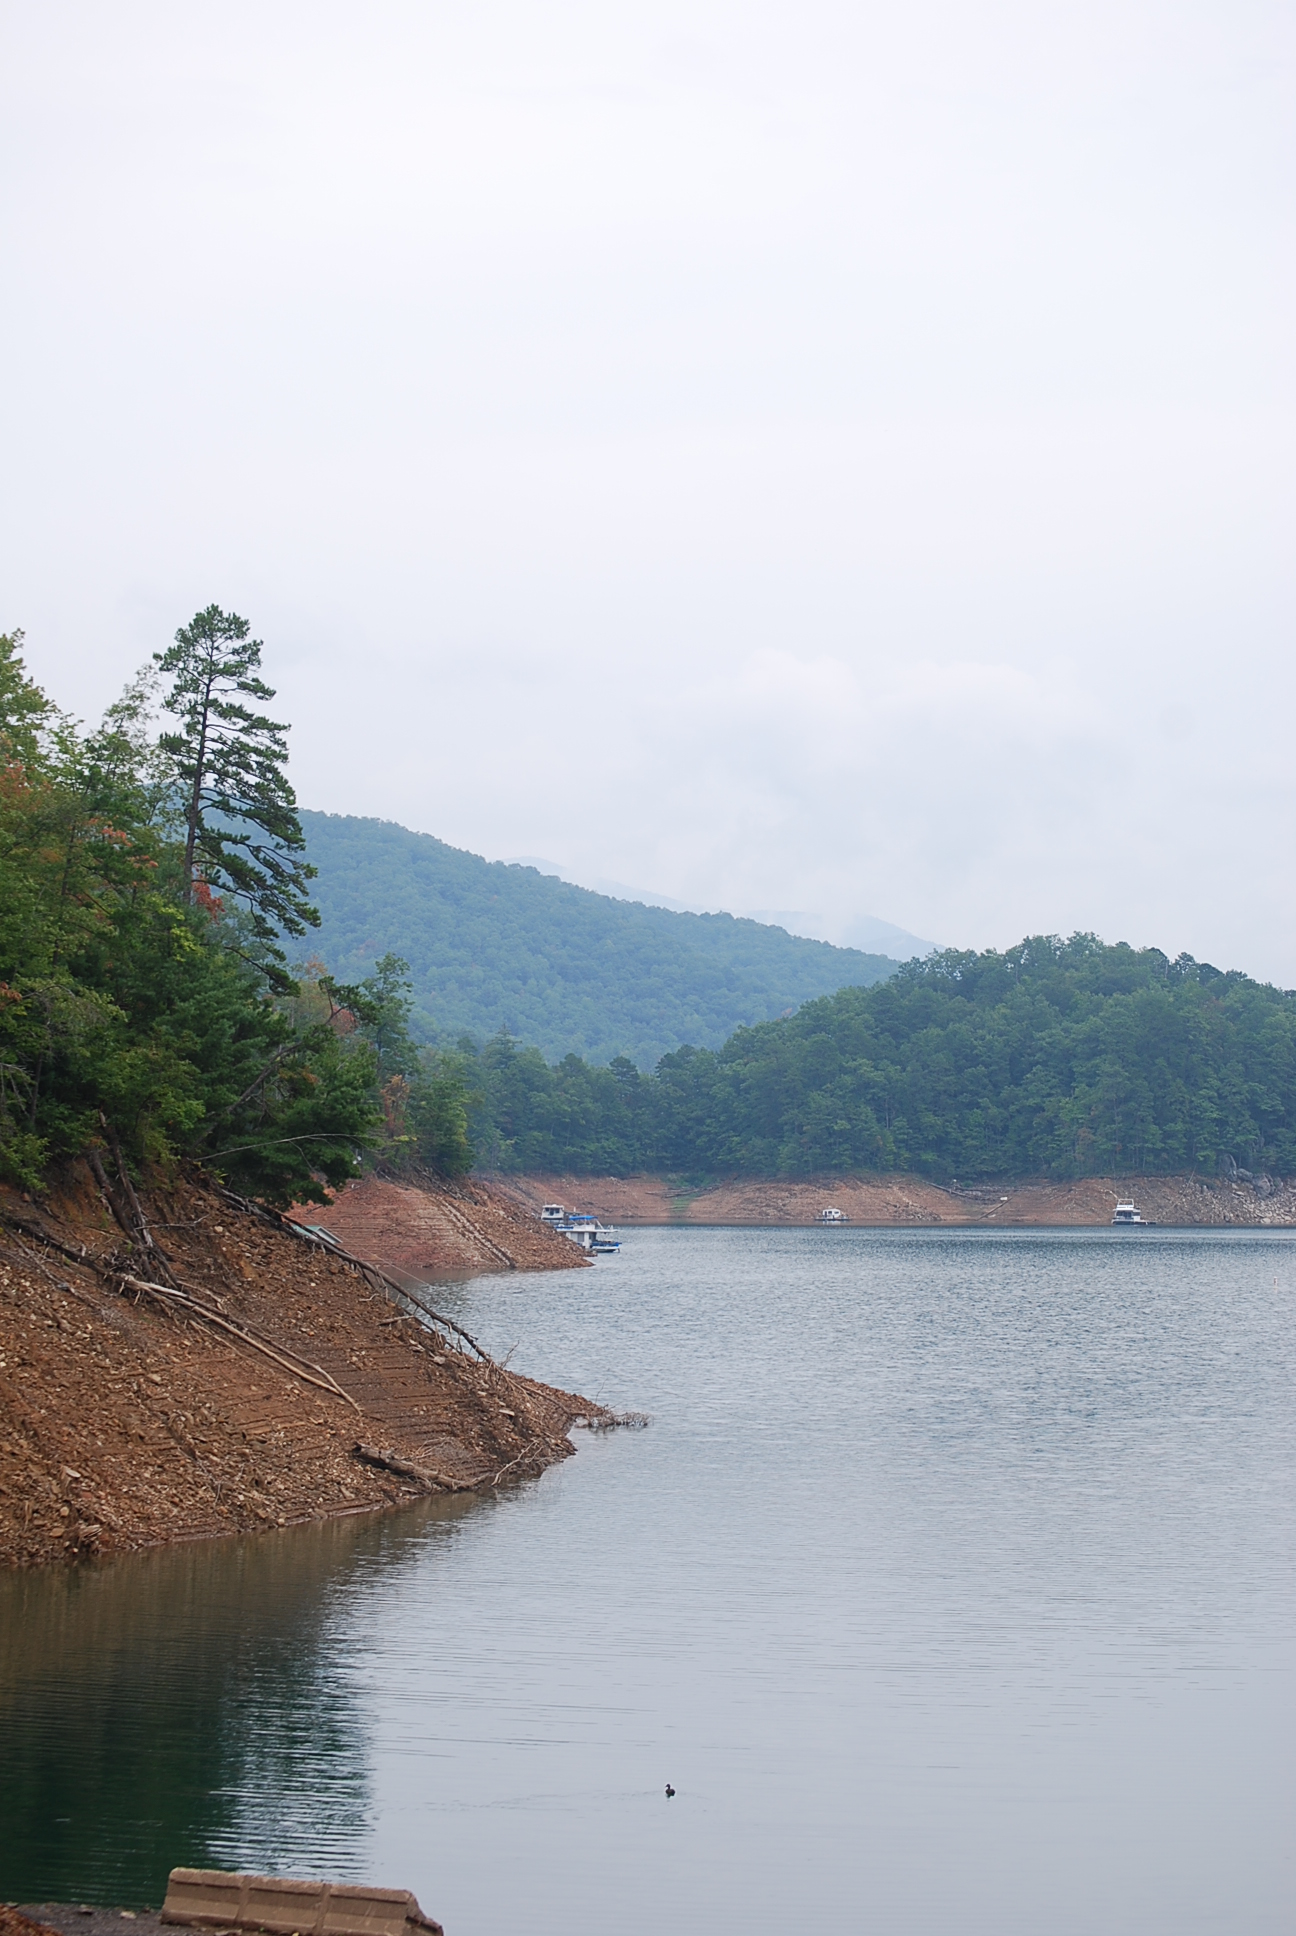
(604, 1421)
(303, 1368)
(438, 1318)
(172, 1298)
(120, 1214)
(372, 1273)
(426, 1475)
(30, 1229)
(181, 1302)
(126, 1209)
(139, 1220)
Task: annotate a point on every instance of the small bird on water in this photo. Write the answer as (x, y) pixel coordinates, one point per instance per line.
(669, 1791)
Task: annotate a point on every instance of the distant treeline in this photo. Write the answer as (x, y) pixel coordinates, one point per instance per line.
(148, 1014)
(1061, 1058)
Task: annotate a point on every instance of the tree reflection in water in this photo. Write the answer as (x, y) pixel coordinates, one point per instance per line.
(186, 1706)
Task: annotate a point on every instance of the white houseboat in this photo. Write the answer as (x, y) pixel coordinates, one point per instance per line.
(1127, 1216)
(582, 1227)
(831, 1216)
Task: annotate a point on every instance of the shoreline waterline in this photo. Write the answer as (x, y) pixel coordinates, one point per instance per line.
(951, 1587)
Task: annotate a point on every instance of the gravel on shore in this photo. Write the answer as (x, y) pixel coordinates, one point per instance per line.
(79, 1919)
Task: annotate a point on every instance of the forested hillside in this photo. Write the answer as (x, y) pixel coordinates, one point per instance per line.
(493, 946)
(1054, 1058)
(148, 886)
(151, 885)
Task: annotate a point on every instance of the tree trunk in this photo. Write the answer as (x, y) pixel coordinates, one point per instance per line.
(195, 798)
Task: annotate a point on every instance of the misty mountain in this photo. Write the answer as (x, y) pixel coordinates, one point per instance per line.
(842, 927)
(864, 931)
(493, 945)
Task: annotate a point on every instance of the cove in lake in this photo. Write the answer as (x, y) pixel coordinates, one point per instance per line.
(952, 1588)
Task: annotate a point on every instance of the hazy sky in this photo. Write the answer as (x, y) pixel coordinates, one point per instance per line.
(790, 456)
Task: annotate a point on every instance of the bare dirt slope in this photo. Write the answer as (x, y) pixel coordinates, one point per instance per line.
(421, 1229)
(130, 1417)
(910, 1200)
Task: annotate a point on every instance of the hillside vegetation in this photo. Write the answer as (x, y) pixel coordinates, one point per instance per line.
(1055, 1058)
(494, 946)
(146, 1011)
(150, 884)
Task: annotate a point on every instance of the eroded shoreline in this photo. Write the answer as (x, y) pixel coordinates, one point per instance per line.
(235, 1378)
(1187, 1201)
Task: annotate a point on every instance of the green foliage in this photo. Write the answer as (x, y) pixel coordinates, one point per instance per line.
(1059, 1058)
(438, 1115)
(531, 1116)
(380, 1006)
(130, 1014)
(242, 834)
(425, 1097)
(139, 1011)
(24, 710)
(495, 946)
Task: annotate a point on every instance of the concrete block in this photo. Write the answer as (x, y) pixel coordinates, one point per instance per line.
(278, 1906)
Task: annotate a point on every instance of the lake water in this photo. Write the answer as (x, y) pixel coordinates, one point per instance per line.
(953, 1588)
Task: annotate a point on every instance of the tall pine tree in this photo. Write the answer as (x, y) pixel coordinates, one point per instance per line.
(242, 834)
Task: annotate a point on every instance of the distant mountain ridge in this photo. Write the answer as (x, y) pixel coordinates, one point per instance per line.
(845, 930)
(495, 945)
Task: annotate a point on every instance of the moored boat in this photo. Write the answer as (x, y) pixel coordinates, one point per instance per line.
(585, 1229)
(582, 1227)
(1128, 1217)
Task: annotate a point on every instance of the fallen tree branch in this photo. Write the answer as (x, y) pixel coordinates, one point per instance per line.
(303, 1368)
(438, 1317)
(168, 1295)
(25, 1261)
(606, 1421)
(522, 1458)
(143, 1234)
(118, 1210)
(426, 1475)
(372, 1273)
(30, 1229)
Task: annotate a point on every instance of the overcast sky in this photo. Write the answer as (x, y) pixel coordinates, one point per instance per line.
(818, 456)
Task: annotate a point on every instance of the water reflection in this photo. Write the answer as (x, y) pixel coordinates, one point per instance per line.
(185, 1706)
(952, 1587)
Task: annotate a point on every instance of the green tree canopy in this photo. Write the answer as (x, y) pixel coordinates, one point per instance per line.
(425, 1097)
(24, 709)
(1060, 1058)
(493, 945)
(131, 1018)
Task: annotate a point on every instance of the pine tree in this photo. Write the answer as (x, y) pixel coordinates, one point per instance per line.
(242, 834)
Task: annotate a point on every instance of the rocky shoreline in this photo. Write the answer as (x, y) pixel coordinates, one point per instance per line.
(1190, 1201)
(190, 1367)
(418, 1228)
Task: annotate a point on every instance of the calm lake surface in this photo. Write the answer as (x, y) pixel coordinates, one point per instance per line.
(953, 1587)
